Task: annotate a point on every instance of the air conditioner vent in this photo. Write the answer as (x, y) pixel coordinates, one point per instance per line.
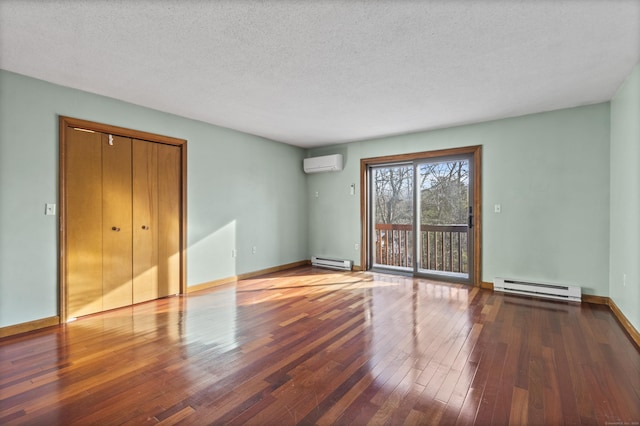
(325, 163)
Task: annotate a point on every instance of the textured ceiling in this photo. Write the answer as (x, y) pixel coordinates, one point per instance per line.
(312, 73)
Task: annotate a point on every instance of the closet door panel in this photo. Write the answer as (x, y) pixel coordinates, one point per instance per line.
(83, 209)
(169, 202)
(145, 221)
(117, 250)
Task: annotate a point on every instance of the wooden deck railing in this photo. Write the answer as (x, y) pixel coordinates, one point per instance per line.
(443, 247)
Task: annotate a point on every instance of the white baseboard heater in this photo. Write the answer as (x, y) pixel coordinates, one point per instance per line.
(546, 290)
(331, 263)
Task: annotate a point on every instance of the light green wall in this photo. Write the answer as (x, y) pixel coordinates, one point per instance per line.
(625, 198)
(549, 172)
(243, 191)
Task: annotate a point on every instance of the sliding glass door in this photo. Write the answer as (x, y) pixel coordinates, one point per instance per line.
(392, 206)
(421, 216)
(444, 216)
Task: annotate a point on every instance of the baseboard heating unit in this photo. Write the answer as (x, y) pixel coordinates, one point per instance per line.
(326, 262)
(546, 290)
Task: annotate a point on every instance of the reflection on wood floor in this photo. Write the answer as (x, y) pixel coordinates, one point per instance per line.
(310, 346)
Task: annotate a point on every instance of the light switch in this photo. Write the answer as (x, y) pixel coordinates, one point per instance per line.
(50, 209)
(497, 208)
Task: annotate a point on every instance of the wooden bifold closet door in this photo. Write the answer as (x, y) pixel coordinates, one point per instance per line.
(116, 222)
(156, 212)
(122, 221)
(145, 221)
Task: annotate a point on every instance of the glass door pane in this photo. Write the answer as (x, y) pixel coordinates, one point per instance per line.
(443, 213)
(392, 216)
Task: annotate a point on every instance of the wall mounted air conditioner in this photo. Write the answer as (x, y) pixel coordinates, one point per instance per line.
(325, 163)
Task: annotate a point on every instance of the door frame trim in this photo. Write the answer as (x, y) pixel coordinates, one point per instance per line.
(475, 151)
(63, 123)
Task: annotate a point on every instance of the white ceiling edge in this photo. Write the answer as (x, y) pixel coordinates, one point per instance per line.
(315, 73)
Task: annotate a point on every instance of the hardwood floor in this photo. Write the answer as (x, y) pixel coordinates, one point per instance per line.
(310, 346)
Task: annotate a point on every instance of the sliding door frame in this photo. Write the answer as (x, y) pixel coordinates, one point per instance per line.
(475, 275)
(65, 122)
